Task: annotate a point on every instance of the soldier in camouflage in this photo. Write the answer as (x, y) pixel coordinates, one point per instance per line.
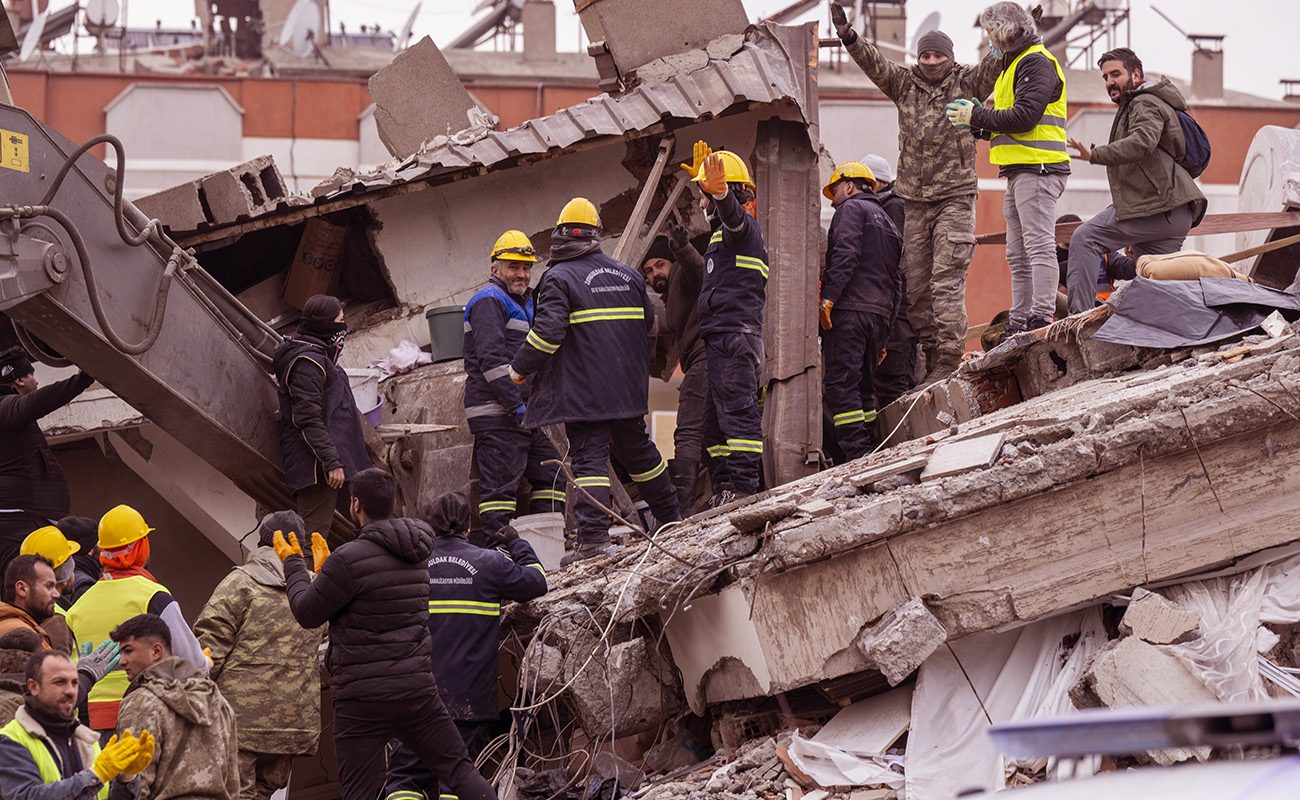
(936, 179)
(191, 722)
(264, 663)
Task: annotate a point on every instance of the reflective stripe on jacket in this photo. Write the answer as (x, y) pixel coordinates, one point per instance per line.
(735, 280)
(495, 326)
(1045, 142)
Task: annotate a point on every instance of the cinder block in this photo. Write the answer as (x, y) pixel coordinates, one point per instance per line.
(252, 188)
(902, 640)
(1152, 618)
(177, 208)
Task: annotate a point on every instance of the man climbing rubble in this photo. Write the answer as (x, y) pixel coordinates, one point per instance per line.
(497, 318)
(587, 355)
(936, 179)
(731, 323)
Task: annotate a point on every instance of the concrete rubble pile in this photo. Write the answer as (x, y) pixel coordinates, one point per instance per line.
(1003, 548)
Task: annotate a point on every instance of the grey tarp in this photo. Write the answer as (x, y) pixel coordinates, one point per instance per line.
(1164, 314)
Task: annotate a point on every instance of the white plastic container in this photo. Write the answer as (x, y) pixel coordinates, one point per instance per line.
(545, 532)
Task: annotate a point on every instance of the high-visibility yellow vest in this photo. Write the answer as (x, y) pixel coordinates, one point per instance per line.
(103, 607)
(1045, 142)
(41, 754)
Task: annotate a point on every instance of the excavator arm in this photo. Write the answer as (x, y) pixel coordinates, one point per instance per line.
(84, 272)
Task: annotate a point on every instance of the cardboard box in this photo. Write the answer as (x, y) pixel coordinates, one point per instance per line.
(317, 263)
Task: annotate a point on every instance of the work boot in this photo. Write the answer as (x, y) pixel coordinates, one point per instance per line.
(685, 476)
(1035, 323)
(583, 551)
(942, 366)
(725, 494)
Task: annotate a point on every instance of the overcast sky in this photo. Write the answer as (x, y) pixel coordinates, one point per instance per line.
(1260, 48)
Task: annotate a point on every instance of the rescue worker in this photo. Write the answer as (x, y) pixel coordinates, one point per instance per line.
(896, 375)
(264, 663)
(731, 323)
(50, 543)
(183, 709)
(374, 593)
(84, 532)
(466, 586)
(46, 754)
(33, 489)
(675, 269)
(1026, 133)
(588, 352)
(320, 426)
(936, 179)
(497, 318)
(126, 590)
(30, 590)
(861, 290)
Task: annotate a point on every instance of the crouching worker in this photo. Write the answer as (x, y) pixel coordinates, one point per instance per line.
(46, 754)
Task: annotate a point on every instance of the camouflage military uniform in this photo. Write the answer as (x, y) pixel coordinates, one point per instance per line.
(194, 729)
(936, 179)
(265, 665)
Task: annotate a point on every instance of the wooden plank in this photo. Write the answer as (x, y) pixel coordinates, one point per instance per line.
(1212, 224)
(635, 257)
(643, 202)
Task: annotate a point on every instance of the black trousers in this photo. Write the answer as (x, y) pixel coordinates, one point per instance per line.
(850, 349)
(409, 779)
(505, 456)
(362, 729)
(733, 427)
(896, 375)
(590, 446)
(14, 527)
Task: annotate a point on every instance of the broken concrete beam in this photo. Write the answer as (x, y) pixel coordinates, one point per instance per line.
(901, 640)
(241, 192)
(1130, 672)
(1154, 619)
(755, 517)
(418, 97)
(633, 689)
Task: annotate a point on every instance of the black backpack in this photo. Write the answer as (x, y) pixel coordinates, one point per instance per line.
(1196, 146)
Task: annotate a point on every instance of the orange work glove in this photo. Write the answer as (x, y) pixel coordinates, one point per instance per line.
(715, 177)
(824, 314)
(883, 353)
(319, 550)
(284, 549)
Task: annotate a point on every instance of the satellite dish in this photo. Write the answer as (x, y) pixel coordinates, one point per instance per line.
(302, 28)
(399, 43)
(32, 40)
(101, 14)
(930, 23)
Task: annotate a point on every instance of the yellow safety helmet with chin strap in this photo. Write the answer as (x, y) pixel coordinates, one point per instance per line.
(849, 169)
(121, 526)
(579, 211)
(513, 246)
(737, 172)
(49, 542)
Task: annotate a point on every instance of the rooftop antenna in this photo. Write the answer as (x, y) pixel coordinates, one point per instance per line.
(101, 16)
(930, 23)
(32, 40)
(1200, 41)
(302, 28)
(399, 44)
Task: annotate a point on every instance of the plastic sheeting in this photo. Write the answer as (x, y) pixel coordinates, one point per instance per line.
(831, 766)
(1165, 314)
(1020, 674)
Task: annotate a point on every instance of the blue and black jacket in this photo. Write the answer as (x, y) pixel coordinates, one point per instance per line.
(496, 323)
(735, 273)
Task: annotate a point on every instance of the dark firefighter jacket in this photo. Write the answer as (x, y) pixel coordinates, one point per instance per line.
(466, 586)
(496, 323)
(30, 477)
(586, 354)
(735, 273)
(862, 252)
(320, 427)
(681, 304)
(374, 593)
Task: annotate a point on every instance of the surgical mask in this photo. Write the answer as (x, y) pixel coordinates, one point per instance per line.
(996, 52)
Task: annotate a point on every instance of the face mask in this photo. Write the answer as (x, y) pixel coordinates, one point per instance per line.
(996, 52)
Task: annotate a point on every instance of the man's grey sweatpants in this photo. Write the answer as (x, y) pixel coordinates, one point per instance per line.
(1157, 234)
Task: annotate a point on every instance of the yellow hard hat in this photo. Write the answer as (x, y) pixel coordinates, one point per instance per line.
(737, 172)
(514, 246)
(121, 526)
(48, 542)
(579, 211)
(849, 169)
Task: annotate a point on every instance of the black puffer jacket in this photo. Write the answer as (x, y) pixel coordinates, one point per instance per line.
(374, 593)
(30, 476)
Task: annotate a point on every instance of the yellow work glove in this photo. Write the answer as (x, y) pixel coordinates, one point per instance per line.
(284, 549)
(319, 550)
(142, 758)
(116, 756)
(824, 314)
(715, 176)
(702, 152)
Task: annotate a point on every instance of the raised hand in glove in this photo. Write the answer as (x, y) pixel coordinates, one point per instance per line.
(284, 549)
(678, 236)
(959, 113)
(99, 661)
(702, 152)
(715, 177)
(142, 758)
(116, 756)
(319, 550)
(841, 22)
(824, 314)
(515, 377)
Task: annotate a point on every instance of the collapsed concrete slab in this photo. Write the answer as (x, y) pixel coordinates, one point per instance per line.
(902, 640)
(419, 97)
(1154, 619)
(637, 33)
(628, 691)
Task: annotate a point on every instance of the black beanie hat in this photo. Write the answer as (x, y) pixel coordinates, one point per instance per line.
(82, 530)
(937, 41)
(14, 364)
(659, 248)
(284, 521)
(449, 514)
